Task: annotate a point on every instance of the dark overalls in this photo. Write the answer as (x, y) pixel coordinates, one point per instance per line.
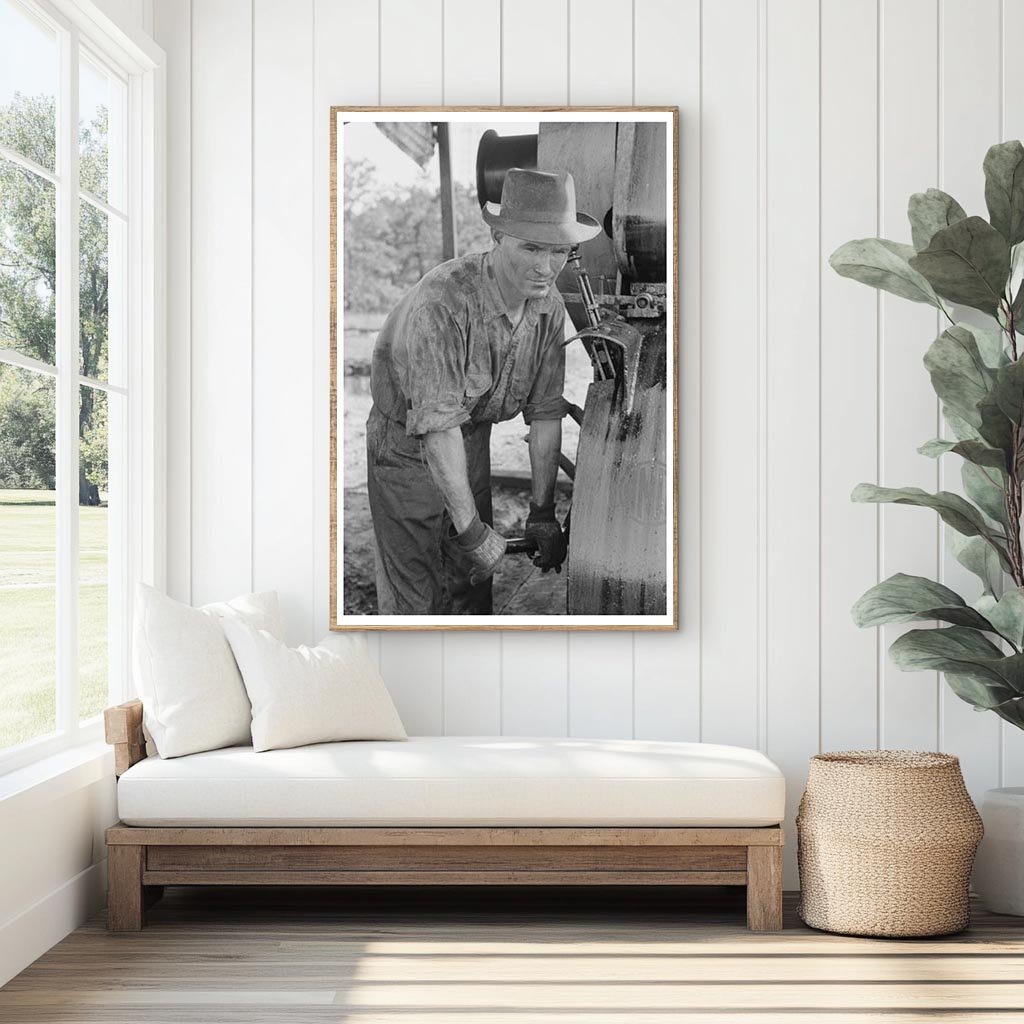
(446, 357)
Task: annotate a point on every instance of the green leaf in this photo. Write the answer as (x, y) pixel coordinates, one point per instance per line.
(964, 652)
(954, 510)
(1011, 711)
(1017, 308)
(962, 430)
(976, 555)
(1004, 189)
(883, 264)
(1009, 390)
(1015, 285)
(932, 211)
(982, 693)
(990, 345)
(903, 598)
(923, 650)
(958, 372)
(967, 263)
(985, 487)
(996, 428)
(973, 451)
(1006, 614)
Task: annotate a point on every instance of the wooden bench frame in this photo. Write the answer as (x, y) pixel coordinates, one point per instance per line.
(142, 860)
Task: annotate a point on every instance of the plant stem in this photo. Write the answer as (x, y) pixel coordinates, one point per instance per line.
(1012, 497)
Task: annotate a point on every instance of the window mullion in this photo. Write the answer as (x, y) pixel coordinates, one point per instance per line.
(67, 386)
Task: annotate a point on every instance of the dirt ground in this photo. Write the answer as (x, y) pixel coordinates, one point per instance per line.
(519, 588)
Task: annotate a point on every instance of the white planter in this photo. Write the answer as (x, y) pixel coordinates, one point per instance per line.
(999, 866)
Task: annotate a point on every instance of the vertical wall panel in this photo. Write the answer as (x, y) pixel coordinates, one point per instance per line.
(969, 124)
(729, 359)
(535, 676)
(1012, 127)
(666, 666)
(601, 685)
(534, 52)
(412, 665)
(410, 52)
(344, 52)
(909, 414)
(849, 372)
(792, 385)
(472, 684)
(283, 309)
(472, 52)
(601, 666)
(593, 77)
(534, 691)
(173, 30)
(472, 75)
(221, 371)
(128, 14)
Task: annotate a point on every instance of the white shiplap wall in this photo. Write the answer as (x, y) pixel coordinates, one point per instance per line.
(803, 123)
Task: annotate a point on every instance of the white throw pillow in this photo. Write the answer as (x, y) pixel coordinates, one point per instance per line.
(192, 693)
(309, 694)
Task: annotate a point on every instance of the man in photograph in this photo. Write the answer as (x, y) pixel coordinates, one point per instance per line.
(478, 340)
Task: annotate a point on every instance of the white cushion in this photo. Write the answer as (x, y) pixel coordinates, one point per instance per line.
(457, 780)
(191, 691)
(309, 694)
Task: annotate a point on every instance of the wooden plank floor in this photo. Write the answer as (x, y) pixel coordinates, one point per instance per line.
(219, 956)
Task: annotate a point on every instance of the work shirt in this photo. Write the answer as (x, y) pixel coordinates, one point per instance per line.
(448, 355)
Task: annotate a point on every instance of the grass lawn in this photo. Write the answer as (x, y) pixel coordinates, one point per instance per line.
(28, 614)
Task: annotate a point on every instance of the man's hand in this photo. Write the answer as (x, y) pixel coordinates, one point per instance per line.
(483, 548)
(543, 529)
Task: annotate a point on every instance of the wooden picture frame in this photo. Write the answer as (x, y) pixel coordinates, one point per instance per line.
(622, 566)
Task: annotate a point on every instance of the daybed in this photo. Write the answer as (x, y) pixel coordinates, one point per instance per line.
(444, 811)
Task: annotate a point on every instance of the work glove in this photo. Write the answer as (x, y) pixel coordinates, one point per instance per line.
(482, 548)
(543, 529)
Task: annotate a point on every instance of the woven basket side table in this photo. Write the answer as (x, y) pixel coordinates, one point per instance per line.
(885, 843)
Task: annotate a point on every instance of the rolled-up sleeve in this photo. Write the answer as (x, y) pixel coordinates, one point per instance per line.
(546, 401)
(434, 375)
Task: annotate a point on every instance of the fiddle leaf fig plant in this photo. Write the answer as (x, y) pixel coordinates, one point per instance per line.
(978, 375)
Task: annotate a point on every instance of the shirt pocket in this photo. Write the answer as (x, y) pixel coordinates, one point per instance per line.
(477, 384)
(520, 385)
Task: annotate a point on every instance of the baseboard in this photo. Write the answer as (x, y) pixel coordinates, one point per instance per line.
(28, 936)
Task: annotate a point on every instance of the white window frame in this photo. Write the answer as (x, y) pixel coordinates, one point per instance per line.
(141, 64)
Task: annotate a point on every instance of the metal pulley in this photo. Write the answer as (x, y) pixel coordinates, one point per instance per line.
(495, 155)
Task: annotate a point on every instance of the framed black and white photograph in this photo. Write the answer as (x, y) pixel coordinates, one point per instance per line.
(504, 368)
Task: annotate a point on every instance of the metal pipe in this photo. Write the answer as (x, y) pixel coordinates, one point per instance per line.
(449, 230)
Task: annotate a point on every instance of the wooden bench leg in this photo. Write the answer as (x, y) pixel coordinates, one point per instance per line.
(764, 888)
(151, 894)
(125, 897)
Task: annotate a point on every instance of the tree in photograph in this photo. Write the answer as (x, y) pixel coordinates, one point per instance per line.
(28, 277)
(393, 236)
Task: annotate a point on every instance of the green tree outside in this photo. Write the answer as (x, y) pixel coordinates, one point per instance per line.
(28, 286)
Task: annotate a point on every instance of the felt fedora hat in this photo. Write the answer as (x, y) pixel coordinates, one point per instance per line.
(540, 207)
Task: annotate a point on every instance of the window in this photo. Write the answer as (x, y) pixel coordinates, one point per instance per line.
(77, 249)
